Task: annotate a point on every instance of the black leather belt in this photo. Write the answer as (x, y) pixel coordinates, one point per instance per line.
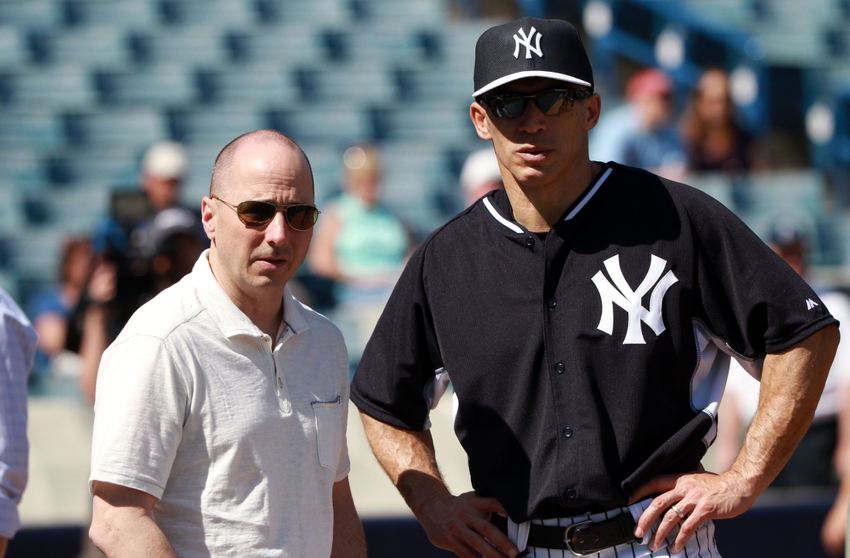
(582, 538)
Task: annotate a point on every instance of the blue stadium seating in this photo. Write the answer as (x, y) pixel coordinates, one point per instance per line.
(337, 123)
(79, 168)
(390, 43)
(122, 14)
(266, 84)
(21, 169)
(33, 14)
(91, 46)
(167, 84)
(57, 87)
(363, 81)
(13, 49)
(238, 13)
(135, 127)
(314, 13)
(215, 125)
(85, 85)
(290, 44)
(191, 45)
(36, 128)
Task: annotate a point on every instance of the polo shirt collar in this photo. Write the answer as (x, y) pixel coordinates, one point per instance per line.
(499, 205)
(230, 319)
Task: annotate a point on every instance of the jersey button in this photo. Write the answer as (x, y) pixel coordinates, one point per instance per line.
(529, 241)
(568, 432)
(560, 368)
(571, 494)
(551, 303)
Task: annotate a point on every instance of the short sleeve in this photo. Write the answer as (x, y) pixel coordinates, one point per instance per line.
(17, 350)
(748, 296)
(402, 355)
(140, 407)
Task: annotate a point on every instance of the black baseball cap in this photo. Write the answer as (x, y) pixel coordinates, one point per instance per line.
(530, 47)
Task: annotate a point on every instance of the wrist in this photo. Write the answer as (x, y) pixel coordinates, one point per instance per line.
(746, 482)
(423, 493)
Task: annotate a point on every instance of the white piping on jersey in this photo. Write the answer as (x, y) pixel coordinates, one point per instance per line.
(712, 369)
(435, 387)
(501, 219)
(589, 195)
(515, 228)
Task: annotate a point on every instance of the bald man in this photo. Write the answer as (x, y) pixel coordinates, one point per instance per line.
(220, 410)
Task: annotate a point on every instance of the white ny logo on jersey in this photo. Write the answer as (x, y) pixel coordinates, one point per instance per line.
(623, 296)
(526, 42)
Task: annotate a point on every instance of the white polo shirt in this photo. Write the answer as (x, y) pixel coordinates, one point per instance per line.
(239, 437)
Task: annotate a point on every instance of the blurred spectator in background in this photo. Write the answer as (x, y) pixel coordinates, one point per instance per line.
(480, 174)
(147, 243)
(359, 243)
(51, 310)
(640, 133)
(17, 353)
(361, 246)
(713, 139)
(823, 457)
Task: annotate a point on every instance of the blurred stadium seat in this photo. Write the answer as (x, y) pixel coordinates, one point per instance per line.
(59, 86)
(191, 45)
(33, 14)
(13, 49)
(125, 15)
(92, 46)
(222, 13)
(265, 84)
(160, 85)
(215, 125)
(37, 128)
(135, 127)
(365, 81)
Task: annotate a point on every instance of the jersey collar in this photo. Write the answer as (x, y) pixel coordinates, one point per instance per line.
(498, 204)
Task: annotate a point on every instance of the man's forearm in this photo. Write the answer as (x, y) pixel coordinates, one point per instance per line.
(349, 538)
(122, 525)
(408, 459)
(791, 384)
(456, 523)
(137, 537)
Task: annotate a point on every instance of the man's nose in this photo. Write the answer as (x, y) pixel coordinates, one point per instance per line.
(276, 230)
(532, 118)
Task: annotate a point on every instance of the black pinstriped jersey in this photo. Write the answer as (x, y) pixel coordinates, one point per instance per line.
(591, 358)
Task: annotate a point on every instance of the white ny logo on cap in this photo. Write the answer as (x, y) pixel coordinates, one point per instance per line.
(526, 42)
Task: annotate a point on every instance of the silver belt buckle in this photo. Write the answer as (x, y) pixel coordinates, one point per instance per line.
(567, 532)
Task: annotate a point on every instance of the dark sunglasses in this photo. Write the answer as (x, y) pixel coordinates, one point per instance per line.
(550, 102)
(300, 216)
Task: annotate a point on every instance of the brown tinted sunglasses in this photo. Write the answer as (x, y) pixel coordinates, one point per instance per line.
(300, 216)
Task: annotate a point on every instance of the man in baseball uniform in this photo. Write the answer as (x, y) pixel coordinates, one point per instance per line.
(586, 315)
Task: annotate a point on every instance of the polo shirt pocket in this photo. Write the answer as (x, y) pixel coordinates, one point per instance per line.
(328, 431)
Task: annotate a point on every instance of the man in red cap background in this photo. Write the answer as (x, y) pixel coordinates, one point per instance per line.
(640, 133)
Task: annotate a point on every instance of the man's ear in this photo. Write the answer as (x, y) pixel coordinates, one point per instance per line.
(592, 109)
(478, 114)
(208, 217)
